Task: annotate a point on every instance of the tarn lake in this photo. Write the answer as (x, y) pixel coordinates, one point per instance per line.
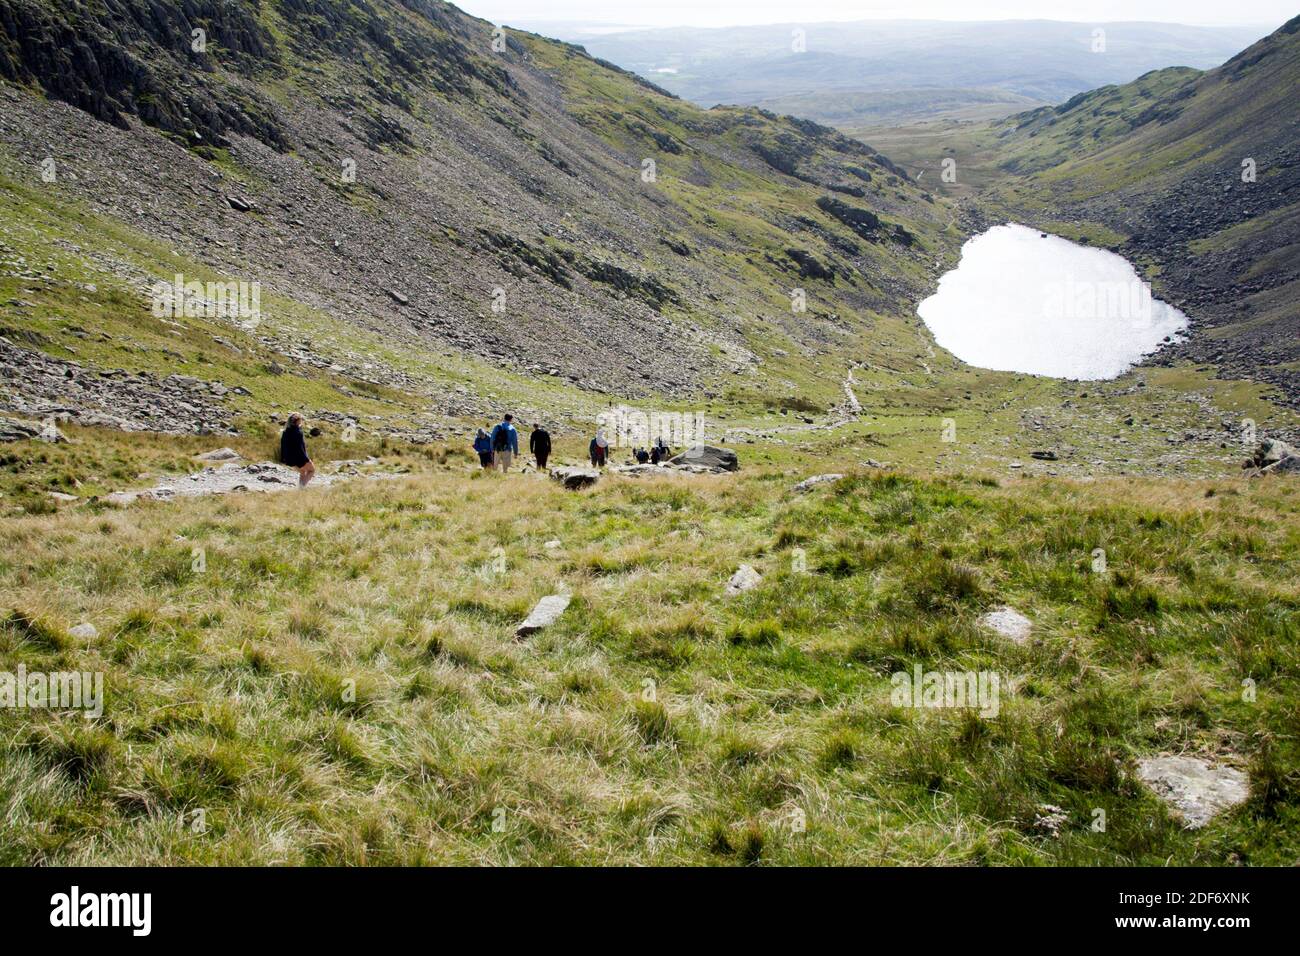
(1024, 301)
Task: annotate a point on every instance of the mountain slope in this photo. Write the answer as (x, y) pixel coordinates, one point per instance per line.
(1161, 165)
(501, 213)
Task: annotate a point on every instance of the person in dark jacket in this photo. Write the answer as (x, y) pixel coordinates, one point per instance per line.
(483, 445)
(539, 443)
(293, 450)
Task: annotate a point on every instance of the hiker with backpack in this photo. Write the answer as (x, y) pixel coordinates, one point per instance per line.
(539, 443)
(505, 444)
(483, 446)
(293, 450)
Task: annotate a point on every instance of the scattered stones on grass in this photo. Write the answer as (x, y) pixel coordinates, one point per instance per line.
(809, 483)
(1196, 789)
(1046, 455)
(546, 612)
(231, 477)
(745, 579)
(1008, 622)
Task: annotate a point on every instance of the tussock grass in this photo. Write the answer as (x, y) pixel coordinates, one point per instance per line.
(342, 685)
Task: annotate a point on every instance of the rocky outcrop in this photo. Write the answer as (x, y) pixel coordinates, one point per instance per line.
(14, 430)
(1273, 456)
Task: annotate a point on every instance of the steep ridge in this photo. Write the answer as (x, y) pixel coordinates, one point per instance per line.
(1194, 175)
(397, 167)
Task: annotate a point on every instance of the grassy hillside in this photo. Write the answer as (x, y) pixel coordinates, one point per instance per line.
(341, 683)
(337, 680)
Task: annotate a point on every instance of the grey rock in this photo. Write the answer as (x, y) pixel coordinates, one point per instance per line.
(84, 632)
(220, 454)
(745, 579)
(1194, 788)
(14, 430)
(809, 483)
(1269, 456)
(546, 612)
(707, 456)
(575, 478)
(1008, 622)
(1288, 465)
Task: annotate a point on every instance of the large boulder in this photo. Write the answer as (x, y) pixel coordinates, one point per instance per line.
(707, 456)
(575, 478)
(14, 430)
(1273, 456)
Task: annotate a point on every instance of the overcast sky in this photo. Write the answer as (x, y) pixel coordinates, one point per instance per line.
(716, 13)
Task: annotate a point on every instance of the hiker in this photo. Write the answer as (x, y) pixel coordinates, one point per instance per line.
(483, 445)
(293, 450)
(642, 456)
(599, 449)
(505, 444)
(539, 443)
(664, 451)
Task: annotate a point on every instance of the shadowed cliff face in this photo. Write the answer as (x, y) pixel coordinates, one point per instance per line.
(159, 60)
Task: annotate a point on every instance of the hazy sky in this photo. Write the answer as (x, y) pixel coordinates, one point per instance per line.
(714, 13)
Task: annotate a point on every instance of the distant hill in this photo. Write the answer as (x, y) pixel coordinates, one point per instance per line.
(857, 74)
